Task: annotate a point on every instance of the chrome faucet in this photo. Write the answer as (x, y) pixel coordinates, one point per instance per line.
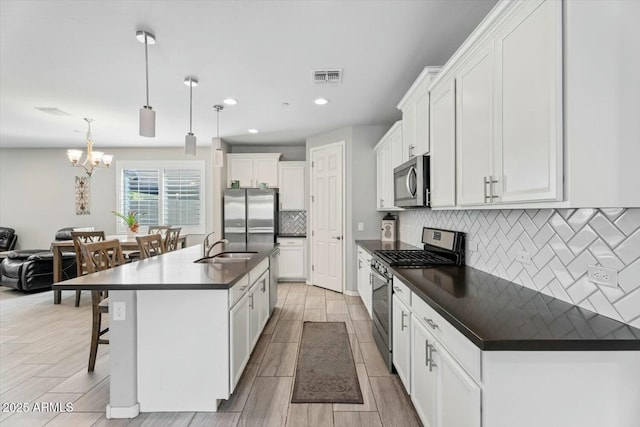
(206, 248)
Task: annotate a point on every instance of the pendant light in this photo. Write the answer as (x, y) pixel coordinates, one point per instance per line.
(218, 156)
(147, 115)
(190, 138)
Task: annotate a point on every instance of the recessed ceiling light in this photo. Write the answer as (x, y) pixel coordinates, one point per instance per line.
(321, 101)
(253, 131)
(285, 104)
(230, 101)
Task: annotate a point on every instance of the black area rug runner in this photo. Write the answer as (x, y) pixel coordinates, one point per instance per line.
(326, 372)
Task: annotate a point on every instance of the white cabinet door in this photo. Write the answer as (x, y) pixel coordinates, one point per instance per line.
(443, 145)
(292, 260)
(239, 338)
(265, 170)
(364, 284)
(401, 337)
(421, 138)
(474, 113)
(254, 314)
(240, 169)
(459, 396)
(408, 132)
(380, 175)
(263, 300)
(387, 192)
(423, 379)
(395, 141)
(292, 186)
(528, 103)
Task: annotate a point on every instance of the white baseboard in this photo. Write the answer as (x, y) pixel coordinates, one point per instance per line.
(123, 411)
(352, 293)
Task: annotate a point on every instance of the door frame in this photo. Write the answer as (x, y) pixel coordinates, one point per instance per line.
(342, 145)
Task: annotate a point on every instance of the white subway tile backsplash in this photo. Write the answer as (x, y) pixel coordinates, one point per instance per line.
(561, 243)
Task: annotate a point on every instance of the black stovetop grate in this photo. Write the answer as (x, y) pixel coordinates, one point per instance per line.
(412, 258)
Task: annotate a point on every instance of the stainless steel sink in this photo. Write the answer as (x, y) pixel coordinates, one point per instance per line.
(228, 257)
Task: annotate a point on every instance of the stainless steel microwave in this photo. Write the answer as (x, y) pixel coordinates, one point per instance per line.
(411, 183)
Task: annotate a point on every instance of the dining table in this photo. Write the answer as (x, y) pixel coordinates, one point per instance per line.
(128, 243)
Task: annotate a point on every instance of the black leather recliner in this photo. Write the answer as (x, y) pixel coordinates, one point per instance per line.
(8, 239)
(32, 269)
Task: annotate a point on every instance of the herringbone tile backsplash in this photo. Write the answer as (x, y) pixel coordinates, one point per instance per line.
(293, 222)
(561, 242)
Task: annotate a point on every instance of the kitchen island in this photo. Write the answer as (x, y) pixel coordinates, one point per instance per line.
(181, 332)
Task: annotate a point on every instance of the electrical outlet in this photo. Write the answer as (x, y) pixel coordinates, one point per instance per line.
(524, 257)
(603, 276)
(361, 226)
(119, 310)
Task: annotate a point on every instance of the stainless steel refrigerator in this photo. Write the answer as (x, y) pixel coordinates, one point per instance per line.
(251, 215)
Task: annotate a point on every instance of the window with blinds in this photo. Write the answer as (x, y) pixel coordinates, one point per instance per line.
(163, 193)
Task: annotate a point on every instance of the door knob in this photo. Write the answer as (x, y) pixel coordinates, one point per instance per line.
(337, 237)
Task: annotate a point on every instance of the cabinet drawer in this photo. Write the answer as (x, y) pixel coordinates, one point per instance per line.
(291, 241)
(237, 290)
(364, 255)
(402, 291)
(463, 350)
(258, 270)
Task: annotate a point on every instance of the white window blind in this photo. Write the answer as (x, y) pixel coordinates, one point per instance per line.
(163, 193)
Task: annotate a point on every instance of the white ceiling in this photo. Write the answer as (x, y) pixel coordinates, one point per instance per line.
(83, 58)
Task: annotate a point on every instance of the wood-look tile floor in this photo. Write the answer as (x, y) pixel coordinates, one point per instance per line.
(44, 350)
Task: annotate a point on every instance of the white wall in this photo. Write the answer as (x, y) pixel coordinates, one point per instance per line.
(38, 195)
(360, 184)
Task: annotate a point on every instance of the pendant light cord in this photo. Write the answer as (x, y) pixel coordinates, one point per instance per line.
(146, 63)
(190, 104)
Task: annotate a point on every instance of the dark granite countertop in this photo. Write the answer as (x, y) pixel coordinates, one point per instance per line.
(496, 314)
(173, 271)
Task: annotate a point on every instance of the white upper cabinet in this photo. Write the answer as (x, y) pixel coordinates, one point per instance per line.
(388, 156)
(474, 116)
(415, 115)
(443, 144)
(253, 169)
(507, 80)
(529, 105)
(292, 177)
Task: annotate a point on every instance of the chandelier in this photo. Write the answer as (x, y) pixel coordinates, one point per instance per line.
(94, 159)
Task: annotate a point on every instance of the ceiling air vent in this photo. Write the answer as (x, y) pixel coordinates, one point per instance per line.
(327, 76)
(53, 111)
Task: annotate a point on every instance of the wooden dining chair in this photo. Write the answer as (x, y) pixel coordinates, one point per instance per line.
(150, 245)
(159, 229)
(83, 237)
(173, 236)
(99, 256)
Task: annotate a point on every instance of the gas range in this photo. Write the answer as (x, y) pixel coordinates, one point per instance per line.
(441, 247)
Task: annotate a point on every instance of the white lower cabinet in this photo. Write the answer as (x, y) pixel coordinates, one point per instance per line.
(239, 337)
(364, 282)
(401, 337)
(443, 394)
(293, 258)
(247, 317)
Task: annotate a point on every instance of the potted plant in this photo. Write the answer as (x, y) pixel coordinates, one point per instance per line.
(132, 220)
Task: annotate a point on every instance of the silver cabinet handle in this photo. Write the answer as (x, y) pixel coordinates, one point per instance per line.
(397, 289)
(430, 351)
(431, 323)
(264, 285)
(359, 264)
(242, 288)
(427, 358)
(402, 325)
(484, 185)
(251, 301)
(382, 203)
(491, 188)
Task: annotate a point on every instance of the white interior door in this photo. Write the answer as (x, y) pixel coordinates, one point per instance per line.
(327, 237)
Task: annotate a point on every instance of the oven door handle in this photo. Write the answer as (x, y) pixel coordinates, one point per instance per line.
(380, 277)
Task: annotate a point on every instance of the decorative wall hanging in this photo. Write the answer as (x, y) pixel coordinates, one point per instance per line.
(82, 195)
